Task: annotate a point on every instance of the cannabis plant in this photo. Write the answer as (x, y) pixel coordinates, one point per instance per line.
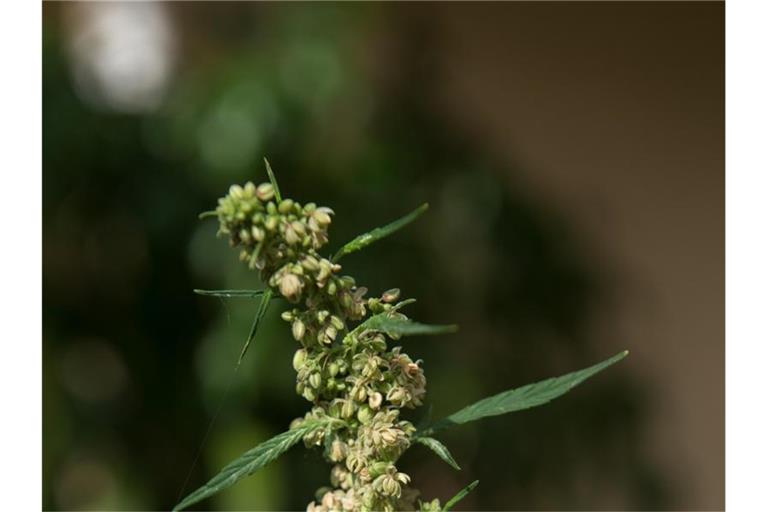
(358, 384)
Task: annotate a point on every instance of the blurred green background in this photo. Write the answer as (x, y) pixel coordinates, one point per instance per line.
(152, 110)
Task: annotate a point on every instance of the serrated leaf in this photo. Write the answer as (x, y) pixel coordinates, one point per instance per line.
(460, 495)
(366, 239)
(524, 397)
(273, 180)
(263, 305)
(250, 462)
(227, 294)
(440, 449)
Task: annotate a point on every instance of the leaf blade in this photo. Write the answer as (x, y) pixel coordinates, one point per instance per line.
(228, 294)
(440, 450)
(263, 305)
(366, 239)
(273, 180)
(390, 325)
(248, 463)
(524, 397)
(460, 495)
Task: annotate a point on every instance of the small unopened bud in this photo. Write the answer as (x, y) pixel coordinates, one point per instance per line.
(315, 380)
(291, 236)
(271, 222)
(364, 414)
(285, 206)
(337, 322)
(333, 369)
(265, 191)
(298, 329)
(391, 295)
(236, 191)
(321, 216)
(309, 394)
(287, 316)
(299, 358)
(257, 233)
(338, 450)
(290, 286)
(348, 409)
(374, 401)
(361, 394)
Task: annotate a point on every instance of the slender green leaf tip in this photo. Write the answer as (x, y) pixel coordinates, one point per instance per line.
(440, 450)
(273, 180)
(263, 305)
(460, 495)
(366, 239)
(524, 397)
(248, 294)
(209, 213)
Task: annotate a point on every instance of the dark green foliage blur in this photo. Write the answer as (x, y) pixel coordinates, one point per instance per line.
(136, 365)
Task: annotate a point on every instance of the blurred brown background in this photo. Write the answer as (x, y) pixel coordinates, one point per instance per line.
(573, 154)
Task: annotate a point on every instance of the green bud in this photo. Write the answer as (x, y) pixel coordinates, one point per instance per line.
(333, 369)
(309, 208)
(364, 414)
(245, 236)
(315, 380)
(348, 409)
(309, 394)
(265, 192)
(271, 222)
(257, 233)
(337, 323)
(285, 206)
(390, 296)
(322, 315)
(299, 358)
(236, 191)
(332, 288)
(287, 316)
(298, 329)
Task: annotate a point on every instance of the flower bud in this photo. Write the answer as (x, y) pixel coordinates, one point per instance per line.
(299, 358)
(391, 295)
(271, 222)
(287, 316)
(374, 400)
(348, 409)
(338, 450)
(285, 206)
(236, 191)
(290, 286)
(265, 192)
(337, 323)
(333, 369)
(257, 233)
(364, 414)
(309, 394)
(298, 329)
(315, 380)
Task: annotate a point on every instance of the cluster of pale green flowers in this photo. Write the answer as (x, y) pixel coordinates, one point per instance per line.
(349, 373)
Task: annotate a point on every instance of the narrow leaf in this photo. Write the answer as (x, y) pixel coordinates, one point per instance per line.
(385, 323)
(524, 397)
(209, 213)
(248, 294)
(263, 305)
(250, 462)
(460, 496)
(367, 239)
(272, 180)
(440, 449)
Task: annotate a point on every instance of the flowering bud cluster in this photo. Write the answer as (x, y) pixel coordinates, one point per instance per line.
(350, 376)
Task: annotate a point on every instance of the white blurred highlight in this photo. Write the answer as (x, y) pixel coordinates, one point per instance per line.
(122, 54)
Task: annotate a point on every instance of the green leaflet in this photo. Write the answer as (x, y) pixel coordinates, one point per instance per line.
(248, 294)
(273, 180)
(385, 323)
(524, 397)
(440, 449)
(251, 461)
(460, 495)
(263, 305)
(366, 239)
